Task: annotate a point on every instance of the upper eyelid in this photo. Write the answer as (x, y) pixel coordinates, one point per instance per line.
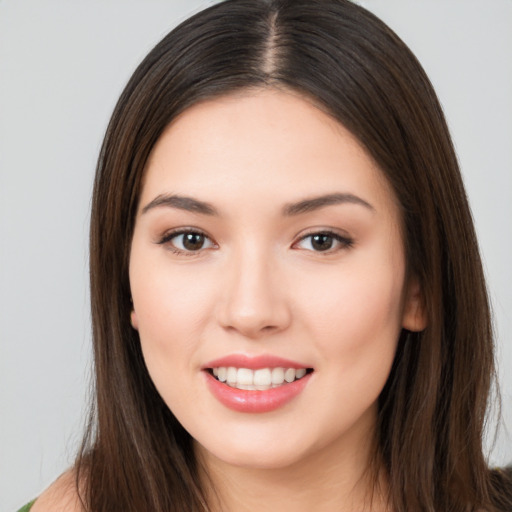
(171, 233)
(344, 239)
(174, 232)
(167, 238)
(324, 231)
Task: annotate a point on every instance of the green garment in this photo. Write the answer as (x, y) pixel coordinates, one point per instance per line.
(27, 507)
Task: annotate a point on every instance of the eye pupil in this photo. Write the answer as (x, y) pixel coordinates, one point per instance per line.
(321, 242)
(193, 241)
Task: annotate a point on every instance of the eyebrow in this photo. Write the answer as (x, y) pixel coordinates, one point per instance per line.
(188, 204)
(315, 203)
(304, 206)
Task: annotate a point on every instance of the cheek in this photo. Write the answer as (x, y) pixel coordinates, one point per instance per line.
(171, 310)
(357, 318)
(356, 326)
(167, 296)
(172, 307)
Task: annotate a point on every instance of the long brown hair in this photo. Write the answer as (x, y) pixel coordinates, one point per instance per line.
(136, 456)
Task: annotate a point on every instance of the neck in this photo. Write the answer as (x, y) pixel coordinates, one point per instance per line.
(339, 478)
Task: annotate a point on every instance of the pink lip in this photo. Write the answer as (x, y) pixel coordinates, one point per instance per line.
(241, 400)
(253, 362)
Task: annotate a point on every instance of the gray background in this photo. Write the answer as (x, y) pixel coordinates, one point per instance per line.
(62, 67)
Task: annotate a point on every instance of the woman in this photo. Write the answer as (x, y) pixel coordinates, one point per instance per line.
(288, 303)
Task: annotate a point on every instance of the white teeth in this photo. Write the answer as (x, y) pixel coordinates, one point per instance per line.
(277, 376)
(244, 376)
(231, 375)
(300, 373)
(289, 375)
(261, 379)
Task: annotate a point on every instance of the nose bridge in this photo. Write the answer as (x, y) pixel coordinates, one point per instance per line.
(254, 299)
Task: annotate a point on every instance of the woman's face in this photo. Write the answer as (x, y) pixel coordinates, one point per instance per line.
(267, 249)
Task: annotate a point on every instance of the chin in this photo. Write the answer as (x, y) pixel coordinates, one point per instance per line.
(267, 447)
(255, 458)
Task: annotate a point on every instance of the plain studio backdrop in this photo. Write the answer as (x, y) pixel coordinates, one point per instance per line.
(63, 65)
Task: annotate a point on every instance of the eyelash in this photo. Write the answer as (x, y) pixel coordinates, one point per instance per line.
(344, 242)
(169, 236)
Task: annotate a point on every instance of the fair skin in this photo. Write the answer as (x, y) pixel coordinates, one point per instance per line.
(61, 496)
(228, 262)
(253, 281)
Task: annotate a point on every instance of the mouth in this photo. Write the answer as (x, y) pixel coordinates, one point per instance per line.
(261, 379)
(256, 383)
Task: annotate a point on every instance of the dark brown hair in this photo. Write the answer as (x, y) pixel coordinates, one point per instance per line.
(136, 456)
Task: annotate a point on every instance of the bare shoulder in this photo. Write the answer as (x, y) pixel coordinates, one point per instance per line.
(61, 496)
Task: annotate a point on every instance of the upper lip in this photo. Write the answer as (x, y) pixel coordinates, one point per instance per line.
(253, 362)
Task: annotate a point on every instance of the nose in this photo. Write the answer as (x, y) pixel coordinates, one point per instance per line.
(253, 300)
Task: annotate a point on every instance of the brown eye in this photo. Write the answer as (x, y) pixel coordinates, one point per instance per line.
(193, 241)
(322, 242)
(187, 242)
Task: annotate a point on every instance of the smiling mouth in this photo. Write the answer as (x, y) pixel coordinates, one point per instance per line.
(257, 380)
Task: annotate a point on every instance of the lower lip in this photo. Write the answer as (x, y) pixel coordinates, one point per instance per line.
(242, 400)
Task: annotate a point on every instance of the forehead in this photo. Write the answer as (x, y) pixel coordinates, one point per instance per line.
(262, 143)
